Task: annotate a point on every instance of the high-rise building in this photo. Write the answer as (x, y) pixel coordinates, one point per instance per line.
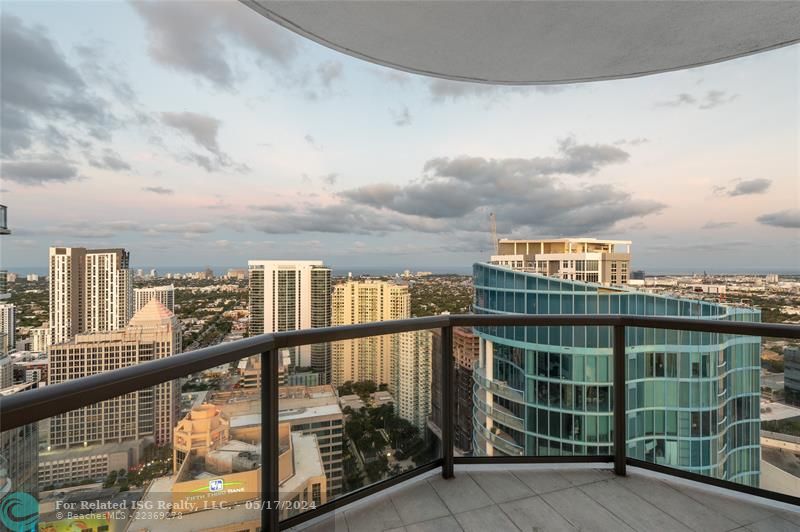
(90, 291)
(165, 294)
(413, 382)
(315, 411)
(290, 295)
(4, 285)
(791, 364)
(8, 324)
(692, 397)
(575, 259)
(40, 338)
(373, 358)
(465, 358)
(153, 333)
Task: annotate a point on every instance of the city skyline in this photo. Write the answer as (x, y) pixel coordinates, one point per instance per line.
(258, 143)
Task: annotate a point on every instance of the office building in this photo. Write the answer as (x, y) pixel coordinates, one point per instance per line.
(153, 333)
(4, 285)
(164, 294)
(413, 382)
(692, 398)
(289, 295)
(591, 260)
(316, 411)
(465, 358)
(373, 358)
(90, 291)
(8, 325)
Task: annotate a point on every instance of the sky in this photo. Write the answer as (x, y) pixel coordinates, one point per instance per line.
(195, 133)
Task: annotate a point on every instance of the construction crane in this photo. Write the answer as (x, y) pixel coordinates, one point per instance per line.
(493, 230)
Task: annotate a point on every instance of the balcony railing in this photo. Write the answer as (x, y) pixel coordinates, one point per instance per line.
(31, 406)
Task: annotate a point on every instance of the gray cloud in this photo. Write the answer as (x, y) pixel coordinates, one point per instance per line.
(709, 100)
(717, 225)
(632, 142)
(159, 190)
(789, 219)
(313, 142)
(197, 37)
(455, 187)
(457, 195)
(109, 160)
(330, 179)
(39, 172)
(42, 90)
(744, 187)
(402, 117)
(328, 72)
(443, 90)
(203, 130)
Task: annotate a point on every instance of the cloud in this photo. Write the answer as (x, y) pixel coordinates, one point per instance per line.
(632, 142)
(457, 194)
(709, 100)
(744, 187)
(203, 130)
(443, 90)
(159, 190)
(39, 172)
(401, 118)
(789, 219)
(110, 160)
(198, 38)
(330, 179)
(717, 225)
(313, 142)
(42, 93)
(185, 228)
(328, 72)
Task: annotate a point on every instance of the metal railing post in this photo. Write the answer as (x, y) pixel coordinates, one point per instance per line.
(448, 412)
(270, 444)
(620, 414)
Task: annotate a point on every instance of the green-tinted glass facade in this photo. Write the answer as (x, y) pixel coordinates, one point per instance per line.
(692, 397)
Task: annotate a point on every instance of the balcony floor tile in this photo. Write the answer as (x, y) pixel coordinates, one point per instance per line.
(483, 519)
(501, 486)
(568, 499)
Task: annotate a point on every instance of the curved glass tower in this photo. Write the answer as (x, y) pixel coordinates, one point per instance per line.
(692, 398)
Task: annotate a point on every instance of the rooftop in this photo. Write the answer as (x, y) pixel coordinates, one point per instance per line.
(544, 498)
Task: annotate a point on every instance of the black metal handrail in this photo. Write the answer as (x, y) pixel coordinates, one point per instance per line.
(27, 407)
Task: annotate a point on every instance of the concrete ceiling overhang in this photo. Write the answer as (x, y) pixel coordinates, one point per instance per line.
(539, 42)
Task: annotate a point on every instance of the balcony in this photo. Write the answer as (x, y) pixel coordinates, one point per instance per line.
(586, 498)
(511, 490)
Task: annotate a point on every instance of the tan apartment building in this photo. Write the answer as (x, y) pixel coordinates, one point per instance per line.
(153, 333)
(591, 260)
(90, 291)
(414, 377)
(373, 358)
(165, 294)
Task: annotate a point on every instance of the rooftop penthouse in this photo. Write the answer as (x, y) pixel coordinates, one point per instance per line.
(592, 260)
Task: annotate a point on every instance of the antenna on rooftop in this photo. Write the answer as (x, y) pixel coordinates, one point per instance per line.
(493, 230)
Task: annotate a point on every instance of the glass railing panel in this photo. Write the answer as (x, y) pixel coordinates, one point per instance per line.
(181, 456)
(719, 405)
(359, 412)
(543, 391)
